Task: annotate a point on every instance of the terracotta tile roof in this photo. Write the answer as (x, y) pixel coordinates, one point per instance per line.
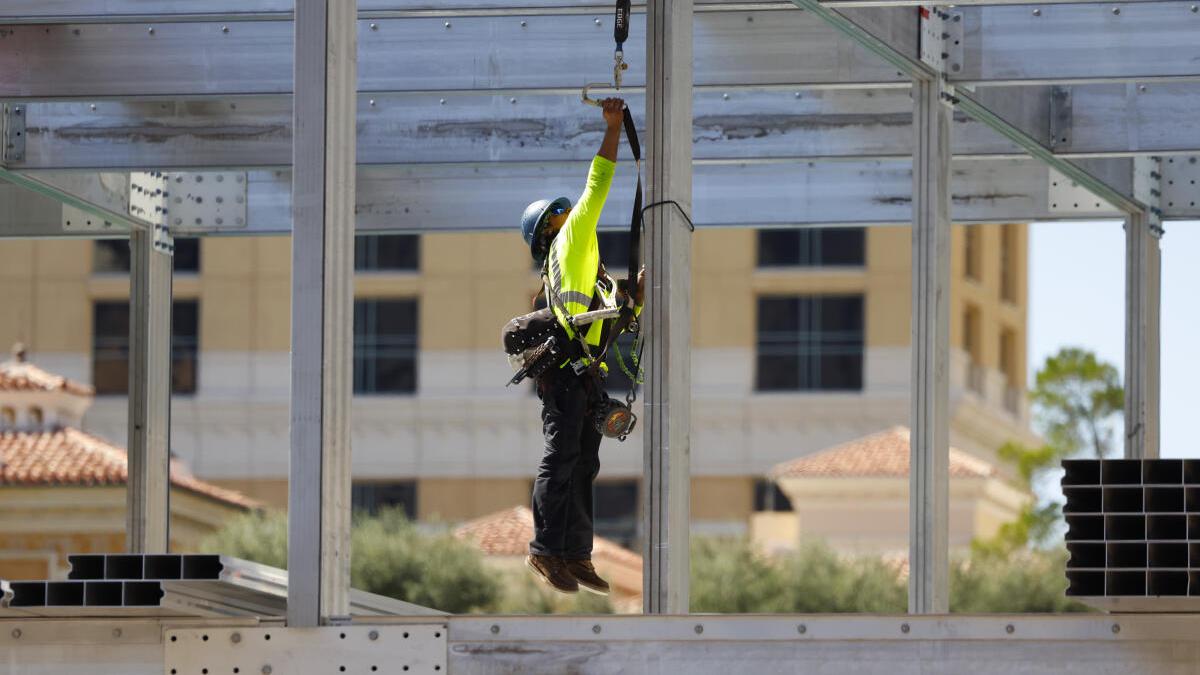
(508, 532)
(20, 376)
(69, 457)
(884, 454)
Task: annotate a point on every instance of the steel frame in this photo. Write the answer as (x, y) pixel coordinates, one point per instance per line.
(1004, 46)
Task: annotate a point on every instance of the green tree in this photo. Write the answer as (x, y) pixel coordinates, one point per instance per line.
(1020, 582)
(731, 576)
(1076, 396)
(389, 556)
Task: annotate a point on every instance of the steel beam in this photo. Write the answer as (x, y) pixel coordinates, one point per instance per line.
(469, 54)
(1080, 43)
(736, 123)
(929, 442)
(148, 490)
(1143, 300)
(323, 185)
(667, 316)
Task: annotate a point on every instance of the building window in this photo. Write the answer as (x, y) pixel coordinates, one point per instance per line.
(36, 417)
(372, 497)
(614, 252)
(387, 252)
(110, 346)
(8, 417)
(768, 496)
(810, 342)
(812, 247)
(972, 345)
(616, 510)
(113, 255)
(1008, 358)
(972, 255)
(385, 346)
(1008, 263)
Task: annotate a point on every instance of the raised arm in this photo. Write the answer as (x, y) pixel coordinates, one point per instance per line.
(613, 115)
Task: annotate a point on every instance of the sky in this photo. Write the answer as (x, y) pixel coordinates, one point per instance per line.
(1077, 297)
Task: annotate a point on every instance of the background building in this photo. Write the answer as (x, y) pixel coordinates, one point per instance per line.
(62, 490)
(800, 342)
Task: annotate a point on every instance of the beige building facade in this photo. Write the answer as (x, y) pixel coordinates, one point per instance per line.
(454, 443)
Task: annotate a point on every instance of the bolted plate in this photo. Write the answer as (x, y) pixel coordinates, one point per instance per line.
(1181, 186)
(1066, 197)
(332, 650)
(209, 201)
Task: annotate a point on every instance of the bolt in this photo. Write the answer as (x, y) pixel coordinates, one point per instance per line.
(220, 221)
(1195, 8)
(150, 30)
(235, 638)
(495, 629)
(224, 29)
(512, 100)
(374, 26)
(442, 101)
(447, 25)
(524, 24)
(371, 103)
(1142, 88)
(220, 179)
(1116, 11)
(797, 94)
(597, 22)
(17, 110)
(92, 106)
(596, 628)
(373, 635)
(699, 629)
(904, 628)
(266, 670)
(1116, 628)
(16, 633)
(1010, 629)
(802, 629)
(1037, 12)
(725, 96)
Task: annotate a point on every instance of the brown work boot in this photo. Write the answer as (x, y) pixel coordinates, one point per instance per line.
(553, 571)
(585, 574)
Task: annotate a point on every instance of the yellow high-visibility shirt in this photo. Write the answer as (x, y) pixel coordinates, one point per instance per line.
(574, 258)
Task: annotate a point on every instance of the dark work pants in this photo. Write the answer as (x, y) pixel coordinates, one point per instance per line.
(562, 491)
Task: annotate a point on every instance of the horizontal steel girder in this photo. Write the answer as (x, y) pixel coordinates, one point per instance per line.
(747, 124)
(480, 197)
(428, 53)
(106, 11)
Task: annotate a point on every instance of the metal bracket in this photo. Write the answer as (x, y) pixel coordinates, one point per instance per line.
(1061, 115)
(413, 648)
(188, 202)
(941, 39)
(1147, 188)
(1068, 198)
(14, 132)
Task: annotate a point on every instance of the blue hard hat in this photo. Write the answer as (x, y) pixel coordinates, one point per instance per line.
(534, 219)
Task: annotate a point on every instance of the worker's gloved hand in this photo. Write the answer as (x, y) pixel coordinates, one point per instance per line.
(613, 112)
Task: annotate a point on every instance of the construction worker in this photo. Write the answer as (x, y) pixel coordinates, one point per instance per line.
(564, 237)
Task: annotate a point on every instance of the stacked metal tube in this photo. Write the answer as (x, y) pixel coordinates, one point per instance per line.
(1133, 527)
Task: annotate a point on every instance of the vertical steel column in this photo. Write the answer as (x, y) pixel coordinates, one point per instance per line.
(1143, 297)
(667, 317)
(323, 162)
(929, 480)
(147, 494)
